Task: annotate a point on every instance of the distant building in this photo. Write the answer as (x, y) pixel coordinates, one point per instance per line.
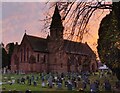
(53, 54)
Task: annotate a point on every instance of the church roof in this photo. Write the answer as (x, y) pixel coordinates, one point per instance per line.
(37, 43)
(41, 45)
(77, 48)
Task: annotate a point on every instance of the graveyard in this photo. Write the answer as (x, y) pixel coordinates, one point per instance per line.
(53, 82)
(65, 60)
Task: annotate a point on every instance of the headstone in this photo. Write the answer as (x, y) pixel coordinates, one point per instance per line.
(13, 81)
(50, 82)
(35, 83)
(69, 86)
(43, 84)
(59, 85)
(42, 78)
(66, 83)
(32, 78)
(93, 87)
(4, 70)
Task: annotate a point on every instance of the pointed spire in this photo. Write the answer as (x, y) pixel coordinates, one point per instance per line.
(25, 32)
(56, 19)
(56, 13)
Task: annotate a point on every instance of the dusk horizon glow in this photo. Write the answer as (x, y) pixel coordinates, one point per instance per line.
(20, 16)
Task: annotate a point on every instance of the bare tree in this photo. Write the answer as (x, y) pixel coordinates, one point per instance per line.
(76, 16)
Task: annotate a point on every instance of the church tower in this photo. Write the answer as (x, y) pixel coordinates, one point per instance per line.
(55, 41)
(56, 27)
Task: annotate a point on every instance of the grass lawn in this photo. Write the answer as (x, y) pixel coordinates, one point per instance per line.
(22, 87)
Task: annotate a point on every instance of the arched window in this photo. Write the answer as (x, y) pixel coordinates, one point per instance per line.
(61, 65)
(32, 59)
(27, 54)
(44, 59)
(21, 52)
(24, 53)
(38, 58)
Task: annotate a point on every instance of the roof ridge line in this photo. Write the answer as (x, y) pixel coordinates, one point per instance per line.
(35, 36)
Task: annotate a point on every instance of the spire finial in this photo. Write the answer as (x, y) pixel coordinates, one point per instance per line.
(25, 31)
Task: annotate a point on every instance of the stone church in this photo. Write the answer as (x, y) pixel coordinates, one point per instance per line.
(52, 54)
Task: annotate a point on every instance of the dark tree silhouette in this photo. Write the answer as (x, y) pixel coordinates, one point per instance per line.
(10, 48)
(109, 40)
(4, 56)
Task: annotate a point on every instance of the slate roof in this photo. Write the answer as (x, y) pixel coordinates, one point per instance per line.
(37, 43)
(77, 48)
(41, 45)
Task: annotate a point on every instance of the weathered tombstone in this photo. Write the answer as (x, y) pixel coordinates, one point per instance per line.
(35, 83)
(59, 86)
(69, 85)
(93, 87)
(30, 81)
(43, 84)
(33, 78)
(66, 83)
(4, 70)
(13, 81)
(50, 82)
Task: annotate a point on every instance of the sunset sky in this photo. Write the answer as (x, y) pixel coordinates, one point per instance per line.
(19, 16)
